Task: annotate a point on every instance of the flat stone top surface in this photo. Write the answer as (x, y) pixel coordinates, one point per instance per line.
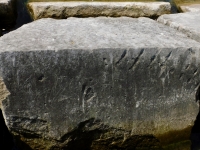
(186, 22)
(190, 8)
(74, 3)
(94, 33)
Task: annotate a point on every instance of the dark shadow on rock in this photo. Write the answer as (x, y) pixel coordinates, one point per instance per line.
(22, 145)
(95, 135)
(23, 16)
(23, 13)
(174, 8)
(195, 133)
(8, 18)
(6, 139)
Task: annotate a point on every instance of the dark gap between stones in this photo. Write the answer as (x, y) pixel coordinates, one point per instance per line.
(6, 139)
(23, 16)
(195, 133)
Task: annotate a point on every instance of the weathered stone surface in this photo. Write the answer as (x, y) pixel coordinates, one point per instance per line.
(94, 9)
(188, 23)
(3, 91)
(99, 83)
(190, 8)
(7, 13)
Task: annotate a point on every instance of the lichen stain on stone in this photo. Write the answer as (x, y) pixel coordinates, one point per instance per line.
(91, 134)
(3, 91)
(28, 142)
(183, 145)
(175, 138)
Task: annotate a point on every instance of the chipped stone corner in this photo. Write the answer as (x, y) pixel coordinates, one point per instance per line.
(3, 91)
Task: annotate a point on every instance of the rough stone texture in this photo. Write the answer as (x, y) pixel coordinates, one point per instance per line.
(94, 9)
(99, 83)
(188, 23)
(190, 8)
(8, 13)
(3, 91)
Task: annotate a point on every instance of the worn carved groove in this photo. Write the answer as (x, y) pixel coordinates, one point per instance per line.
(122, 56)
(136, 60)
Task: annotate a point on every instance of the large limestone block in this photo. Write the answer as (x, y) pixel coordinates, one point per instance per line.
(94, 9)
(190, 8)
(188, 23)
(7, 13)
(99, 83)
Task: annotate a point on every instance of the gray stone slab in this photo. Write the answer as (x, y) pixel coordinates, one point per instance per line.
(190, 8)
(8, 13)
(95, 9)
(188, 23)
(99, 81)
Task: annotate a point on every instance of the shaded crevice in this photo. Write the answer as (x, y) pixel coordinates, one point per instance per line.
(6, 139)
(22, 17)
(93, 134)
(41, 78)
(122, 57)
(195, 133)
(136, 59)
(89, 93)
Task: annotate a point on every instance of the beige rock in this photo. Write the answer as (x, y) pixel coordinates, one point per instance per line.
(190, 8)
(93, 9)
(3, 91)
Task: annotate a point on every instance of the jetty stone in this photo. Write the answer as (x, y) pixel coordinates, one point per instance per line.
(190, 8)
(188, 23)
(62, 10)
(99, 83)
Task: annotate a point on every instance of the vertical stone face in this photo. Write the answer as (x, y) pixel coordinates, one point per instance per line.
(63, 10)
(99, 83)
(8, 13)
